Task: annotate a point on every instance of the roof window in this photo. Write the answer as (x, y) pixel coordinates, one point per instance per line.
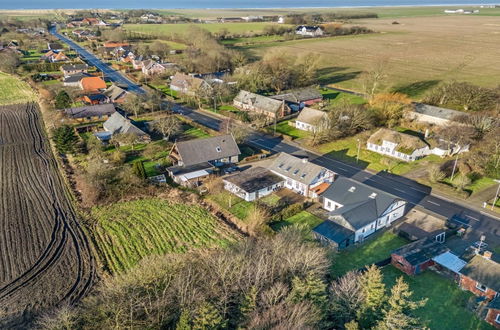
(281, 165)
(295, 172)
(352, 189)
(303, 175)
(373, 195)
(218, 149)
(288, 168)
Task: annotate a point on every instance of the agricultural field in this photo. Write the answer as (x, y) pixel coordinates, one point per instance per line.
(170, 29)
(126, 232)
(13, 90)
(415, 54)
(45, 256)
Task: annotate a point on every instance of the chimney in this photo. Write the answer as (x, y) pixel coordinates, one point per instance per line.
(487, 255)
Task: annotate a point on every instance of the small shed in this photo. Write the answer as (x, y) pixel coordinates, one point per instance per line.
(416, 257)
(450, 262)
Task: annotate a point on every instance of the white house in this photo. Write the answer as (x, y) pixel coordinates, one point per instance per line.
(281, 20)
(356, 211)
(445, 148)
(311, 120)
(300, 175)
(430, 114)
(398, 145)
(310, 31)
(253, 183)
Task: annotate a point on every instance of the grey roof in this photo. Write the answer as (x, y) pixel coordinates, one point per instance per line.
(91, 111)
(179, 170)
(495, 303)
(308, 28)
(119, 124)
(333, 231)
(76, 77)
(55, 45)
(311, 116)
(404, 141)
(299, 95)
(114, 92)
(484, 271)
(208, 149)
(261, 102)
(254, 179)
(73, 67)
(421, 251)
(300, 170)
(450, 261)
(437, 112)
(362, 204)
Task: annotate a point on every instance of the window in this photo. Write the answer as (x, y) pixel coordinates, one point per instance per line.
(295, 172)
(218, 149)
(288, 168)
(497, 320)
(481, 287)
(373, 225)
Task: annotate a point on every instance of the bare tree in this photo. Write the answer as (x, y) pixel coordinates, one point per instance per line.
(346, 296)
(167, 126)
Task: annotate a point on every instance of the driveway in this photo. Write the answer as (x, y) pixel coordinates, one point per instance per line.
(109, 73)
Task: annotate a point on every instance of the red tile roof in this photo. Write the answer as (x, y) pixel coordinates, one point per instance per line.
(92, 84)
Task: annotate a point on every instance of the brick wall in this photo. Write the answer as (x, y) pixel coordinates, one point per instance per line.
(469, 284)
(401, 263)
(491, 317)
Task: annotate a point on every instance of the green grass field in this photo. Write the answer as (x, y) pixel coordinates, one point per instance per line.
(335, 97)
(170, 29)
(127, 232)
(193, 132)
(14, 90)
(377, 248)
(235, 205)
(286, 129)
(304, 218)
(446, 305)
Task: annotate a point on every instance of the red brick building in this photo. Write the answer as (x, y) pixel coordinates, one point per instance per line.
(416, 257)
(493, 313)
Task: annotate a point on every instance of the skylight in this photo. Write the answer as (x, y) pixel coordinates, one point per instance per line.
(288, 168)
(295, 172)
(373, 195)
(352, 189)
(218, 149)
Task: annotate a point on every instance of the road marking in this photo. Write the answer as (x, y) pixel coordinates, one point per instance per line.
(433, 203)
(401, 190)
(471, 217)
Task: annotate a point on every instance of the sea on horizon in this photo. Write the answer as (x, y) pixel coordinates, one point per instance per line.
(221, 4)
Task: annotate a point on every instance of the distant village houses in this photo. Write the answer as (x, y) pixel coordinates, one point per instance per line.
(309, 31)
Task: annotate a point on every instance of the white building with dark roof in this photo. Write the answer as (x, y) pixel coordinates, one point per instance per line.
(253, 183)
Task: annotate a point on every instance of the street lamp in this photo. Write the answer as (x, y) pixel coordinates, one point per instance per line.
(496, 196)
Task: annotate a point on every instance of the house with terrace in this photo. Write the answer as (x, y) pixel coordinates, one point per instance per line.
(253, 183)
(398, 145)
(300, 174)
(251, 102)
(196, 159)
(311, 120)
(356, 211)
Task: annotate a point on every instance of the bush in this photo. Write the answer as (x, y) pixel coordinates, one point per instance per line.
(65, 139)
(139, 170)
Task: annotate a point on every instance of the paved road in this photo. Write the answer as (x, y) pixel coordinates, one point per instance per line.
(92, 60)
(414, 192)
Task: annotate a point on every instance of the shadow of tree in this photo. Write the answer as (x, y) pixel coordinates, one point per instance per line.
(332, 75)
(343, 156)
(416, 88)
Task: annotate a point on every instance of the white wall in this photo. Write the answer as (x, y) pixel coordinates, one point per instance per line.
(304, 126)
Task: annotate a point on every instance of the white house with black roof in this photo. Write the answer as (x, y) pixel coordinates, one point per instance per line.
(253, 183)
(356, 211)
(300, 175)
(309, 31)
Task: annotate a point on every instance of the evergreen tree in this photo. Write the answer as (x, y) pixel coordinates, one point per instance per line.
(208, 317)
(62, 100)
(311, 288)
(353, 325)
(65, 139)
(398, 312)
(183, 322)
(139, 170)
(374, 297)
(248, 305)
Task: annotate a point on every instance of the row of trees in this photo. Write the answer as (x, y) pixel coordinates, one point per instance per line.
(297, 19)
(262, 283)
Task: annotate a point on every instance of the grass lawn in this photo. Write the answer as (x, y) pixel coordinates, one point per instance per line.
(286, 129)
(271, 200)
(166, 90)
(194, 132)
(14, 90)
(377, 248)
(335, 97)
(170, 29)
(128, 231)
(446, 305)
(235, 205)
(303, 218)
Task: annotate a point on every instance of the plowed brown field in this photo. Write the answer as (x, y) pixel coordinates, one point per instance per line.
(45, 257)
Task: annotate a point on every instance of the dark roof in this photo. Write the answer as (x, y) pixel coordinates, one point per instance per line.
(114, 92)
(484, 271)
(421, 251)
(299, 95)
(179, 170)
(495, 303)
(91, 110)
(55, 45)
(433, 111)
(333, 231)
(300, 170)
(97, 97)
(308, 27)
(254, 179)
(208, 149)
(119, 124)
(76, 77)
(362, 204)
(257, 101)
(73, 67)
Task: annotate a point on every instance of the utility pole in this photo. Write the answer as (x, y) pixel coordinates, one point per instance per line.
(454, 167)
(496, 196)
(359, 148)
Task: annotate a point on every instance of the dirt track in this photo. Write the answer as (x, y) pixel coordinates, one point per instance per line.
(45, 257)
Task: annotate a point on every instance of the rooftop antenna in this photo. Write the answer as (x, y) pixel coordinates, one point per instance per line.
(478, 250)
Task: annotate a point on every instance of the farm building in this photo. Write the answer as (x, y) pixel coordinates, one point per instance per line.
(91, 112)
(309, 31)
(430, 114)
(71, 69)
(301, 96)
(188, 84)
(92, 84)
(261, 104)
(253, 183)
(416, 257)
(481, 276)
(119, 124)
(357, 208)
(311, 120)
(398, 145)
